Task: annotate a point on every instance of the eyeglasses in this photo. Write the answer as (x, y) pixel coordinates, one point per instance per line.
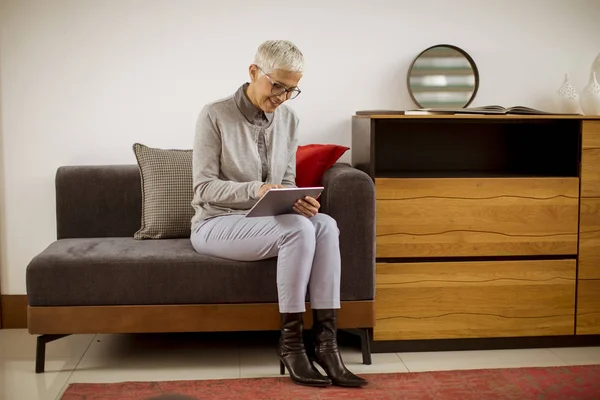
(277, 89)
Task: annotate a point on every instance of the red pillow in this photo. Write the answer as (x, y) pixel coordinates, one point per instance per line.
(313, 160)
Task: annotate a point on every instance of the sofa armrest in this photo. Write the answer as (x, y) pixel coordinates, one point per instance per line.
(349, 197)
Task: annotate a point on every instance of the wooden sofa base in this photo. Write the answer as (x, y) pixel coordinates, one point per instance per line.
(53, 323)
(180, 318)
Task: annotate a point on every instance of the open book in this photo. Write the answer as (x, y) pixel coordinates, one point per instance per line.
(519, 110)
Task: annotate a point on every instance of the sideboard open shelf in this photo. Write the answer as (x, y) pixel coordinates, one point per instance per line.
(486, 226)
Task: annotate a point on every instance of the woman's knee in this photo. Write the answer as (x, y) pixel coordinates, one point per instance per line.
(297, 227)
(324, 223)
(296, 223)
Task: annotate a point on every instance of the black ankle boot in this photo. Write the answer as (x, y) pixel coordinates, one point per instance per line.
(326, 352)
(292, 353)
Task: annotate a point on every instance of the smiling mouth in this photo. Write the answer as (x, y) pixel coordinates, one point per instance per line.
(275, 104)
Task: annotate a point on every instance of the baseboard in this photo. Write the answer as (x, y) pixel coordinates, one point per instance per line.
(14, 311)
(427, 345)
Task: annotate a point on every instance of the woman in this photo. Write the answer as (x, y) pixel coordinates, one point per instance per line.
(245, 145)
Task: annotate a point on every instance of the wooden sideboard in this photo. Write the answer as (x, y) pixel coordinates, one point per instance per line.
(487, 226)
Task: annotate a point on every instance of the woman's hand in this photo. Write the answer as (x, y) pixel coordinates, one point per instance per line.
(266, 187)
(309, 207)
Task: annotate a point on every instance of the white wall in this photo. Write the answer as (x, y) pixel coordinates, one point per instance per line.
(81, 80)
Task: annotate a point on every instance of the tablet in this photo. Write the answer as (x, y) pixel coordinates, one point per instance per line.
(281, 201)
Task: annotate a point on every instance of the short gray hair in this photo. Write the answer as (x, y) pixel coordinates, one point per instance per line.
(279, 54)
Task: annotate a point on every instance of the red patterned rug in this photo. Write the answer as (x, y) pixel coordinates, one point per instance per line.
(560, 383)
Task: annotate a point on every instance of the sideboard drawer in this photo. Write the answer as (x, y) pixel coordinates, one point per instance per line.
(452, 217)
(443, 300)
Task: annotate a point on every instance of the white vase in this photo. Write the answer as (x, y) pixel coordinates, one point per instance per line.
(567, 98)
(590, 97)
(596, 66)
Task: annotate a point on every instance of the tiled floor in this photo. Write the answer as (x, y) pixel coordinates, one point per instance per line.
(117, 358)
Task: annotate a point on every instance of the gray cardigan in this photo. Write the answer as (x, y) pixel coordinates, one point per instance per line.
(226, 162)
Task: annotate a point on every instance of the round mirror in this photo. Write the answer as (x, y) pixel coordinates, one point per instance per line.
(443, 76)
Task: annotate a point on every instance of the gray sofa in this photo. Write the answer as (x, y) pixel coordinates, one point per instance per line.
(96, 278)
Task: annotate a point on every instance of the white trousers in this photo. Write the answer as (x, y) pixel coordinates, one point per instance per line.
(308, 253)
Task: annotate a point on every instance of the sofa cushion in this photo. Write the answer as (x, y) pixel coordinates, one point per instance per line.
(167, 192)
(98, 201)
(126, 271)
(313, 160)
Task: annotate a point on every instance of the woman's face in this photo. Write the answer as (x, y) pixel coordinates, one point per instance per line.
(266, 85)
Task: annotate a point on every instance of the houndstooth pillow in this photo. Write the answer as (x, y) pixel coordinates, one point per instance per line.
(167, 192)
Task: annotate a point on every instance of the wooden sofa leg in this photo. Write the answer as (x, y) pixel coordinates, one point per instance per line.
(365, 345)
(365, 342)
(40, 351)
